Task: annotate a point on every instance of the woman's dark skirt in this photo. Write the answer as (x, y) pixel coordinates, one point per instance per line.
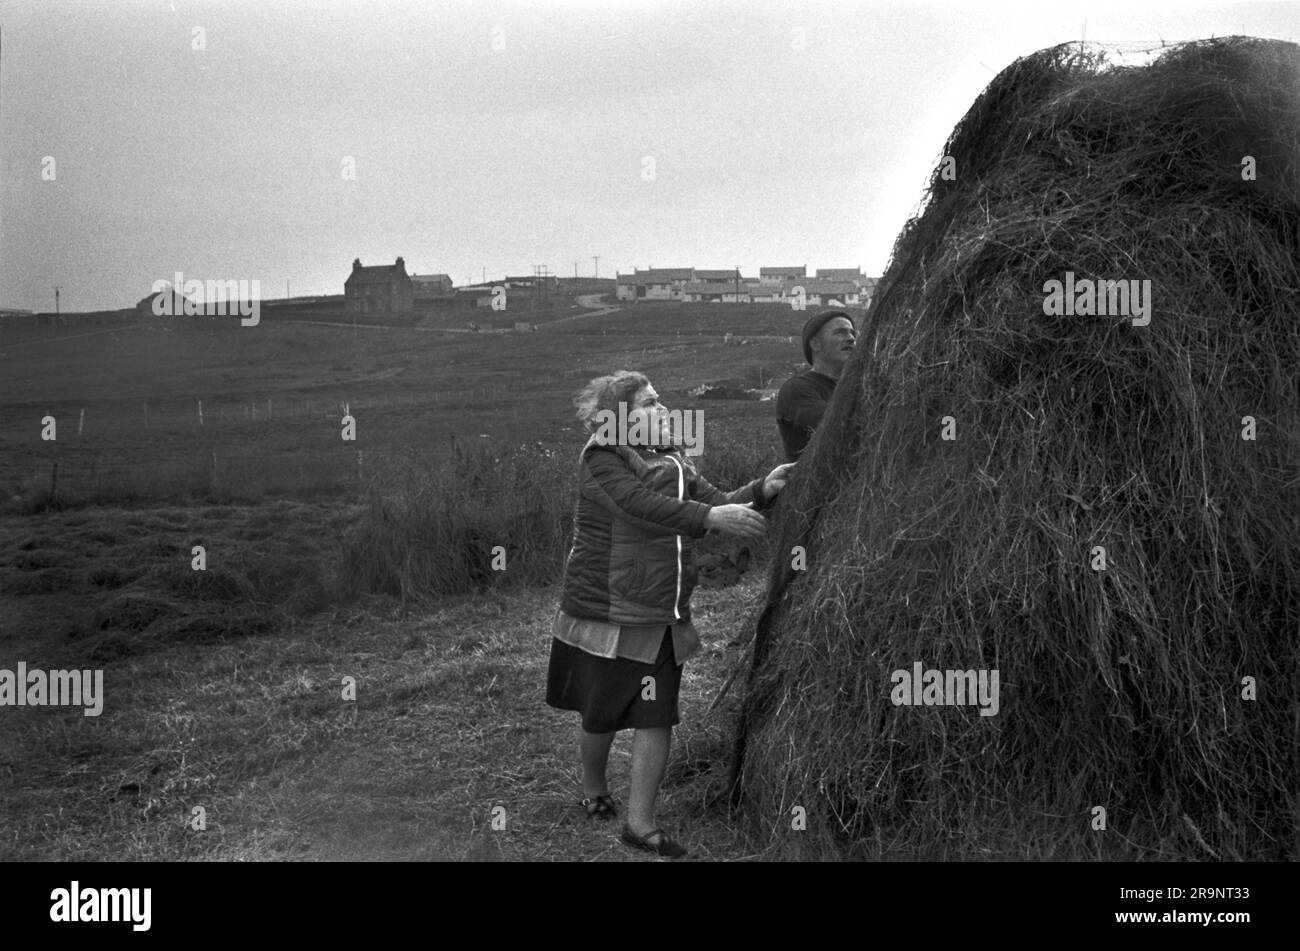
(608, 692)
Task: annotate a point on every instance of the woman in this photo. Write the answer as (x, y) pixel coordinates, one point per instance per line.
(623, 629)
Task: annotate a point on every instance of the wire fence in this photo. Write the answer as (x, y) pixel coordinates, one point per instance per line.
(65, 468)
(99, 476)
(76, 416)
(77, 475)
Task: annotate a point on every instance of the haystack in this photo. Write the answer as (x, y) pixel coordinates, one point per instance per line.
(980, 454)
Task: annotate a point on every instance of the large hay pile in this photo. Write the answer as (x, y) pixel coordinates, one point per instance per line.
(1122, 687)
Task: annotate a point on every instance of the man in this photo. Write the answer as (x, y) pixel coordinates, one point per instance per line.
(827, 342)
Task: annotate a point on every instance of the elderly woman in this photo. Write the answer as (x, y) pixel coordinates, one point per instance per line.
(624, 629)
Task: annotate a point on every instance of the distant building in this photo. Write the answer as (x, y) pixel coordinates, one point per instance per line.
(775, 285)
(665, 283)
(819, 292)
(718, 277)
(779, 275)
(705, 291)
(431, 285)
(174, 307)
(702, 291)
(476, 296)
(380, 290)
(765, 294)
(865, 285)
(431, 292)
(853, 274)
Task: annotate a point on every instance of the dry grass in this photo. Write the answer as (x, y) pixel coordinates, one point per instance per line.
(448, 723)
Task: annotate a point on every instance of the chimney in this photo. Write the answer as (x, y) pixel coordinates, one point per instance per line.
(356, 264)
(401, 265)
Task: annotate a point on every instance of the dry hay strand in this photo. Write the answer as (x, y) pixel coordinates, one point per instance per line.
(1119, 687)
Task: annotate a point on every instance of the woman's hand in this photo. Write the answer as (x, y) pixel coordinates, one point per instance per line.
(776, 479)
(739, 520)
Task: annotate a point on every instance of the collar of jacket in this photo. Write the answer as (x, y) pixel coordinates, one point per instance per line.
(675, 453)
(595, 441)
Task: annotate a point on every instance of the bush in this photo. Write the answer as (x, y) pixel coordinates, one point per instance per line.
(432, 522)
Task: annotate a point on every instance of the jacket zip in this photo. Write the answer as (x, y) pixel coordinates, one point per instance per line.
(681, 497)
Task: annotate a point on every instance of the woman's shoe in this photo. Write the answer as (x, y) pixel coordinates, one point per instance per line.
(599, 807)
(666, 846)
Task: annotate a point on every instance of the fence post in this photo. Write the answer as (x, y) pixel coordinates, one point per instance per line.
(200, 412)
(81, 420)
(358, 465)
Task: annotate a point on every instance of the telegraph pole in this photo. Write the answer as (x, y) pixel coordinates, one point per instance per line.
(737, 283)
(541, 290)
(596, 258)
(56, 300)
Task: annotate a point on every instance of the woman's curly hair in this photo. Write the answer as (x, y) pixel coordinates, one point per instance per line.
(605, 393)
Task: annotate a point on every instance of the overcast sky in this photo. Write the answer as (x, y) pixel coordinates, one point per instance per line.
(492, 136)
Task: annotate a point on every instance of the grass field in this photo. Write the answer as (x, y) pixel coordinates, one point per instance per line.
(272, 395)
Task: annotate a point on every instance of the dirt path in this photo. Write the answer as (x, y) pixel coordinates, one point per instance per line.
(592, 303)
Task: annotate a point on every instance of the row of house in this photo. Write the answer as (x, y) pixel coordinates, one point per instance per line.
(775, 285)
(388, 289)
(812, 291)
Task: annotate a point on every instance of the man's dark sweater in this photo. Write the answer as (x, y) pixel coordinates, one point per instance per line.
(799, 409)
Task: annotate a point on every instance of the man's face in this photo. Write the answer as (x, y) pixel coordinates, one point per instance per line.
(834, 342)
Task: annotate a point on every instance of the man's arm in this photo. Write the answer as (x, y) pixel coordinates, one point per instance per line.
(703, 491)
